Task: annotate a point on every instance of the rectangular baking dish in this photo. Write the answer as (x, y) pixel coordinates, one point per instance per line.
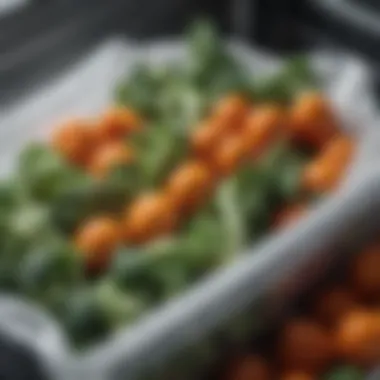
(269, 275)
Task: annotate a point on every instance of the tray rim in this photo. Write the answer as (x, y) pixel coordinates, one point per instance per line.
(268, 241)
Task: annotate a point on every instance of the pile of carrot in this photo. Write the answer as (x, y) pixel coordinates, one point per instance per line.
(341, 327)
(98, 145)
(234, 132)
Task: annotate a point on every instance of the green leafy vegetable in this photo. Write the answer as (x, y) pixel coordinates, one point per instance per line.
(345, 373)
(163, 268)
(267, 185)
(78, 203)
(283, 167)
(158, 152)
(140, 91)
(53, 264)
(204, 243)
(8, 275)
(296, 75)
(119, 307)
(153, 272)
(181, 94)
(91, 313)
(205, 51)
(209, 64)
(232, 216)
(8, 197)
(44, 174)
(29, 221)
(131, 269)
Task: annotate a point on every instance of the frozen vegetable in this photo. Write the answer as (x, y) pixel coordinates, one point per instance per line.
(193, 162)
(335, 335)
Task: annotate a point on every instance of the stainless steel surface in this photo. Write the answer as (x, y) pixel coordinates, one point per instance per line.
(375, 375)
(38, 43)
(354, 15)
(7, 6)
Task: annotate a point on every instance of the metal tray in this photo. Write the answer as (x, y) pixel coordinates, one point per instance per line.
(265, 273)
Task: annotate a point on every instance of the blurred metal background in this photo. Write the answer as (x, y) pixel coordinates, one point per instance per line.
(38, 38)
